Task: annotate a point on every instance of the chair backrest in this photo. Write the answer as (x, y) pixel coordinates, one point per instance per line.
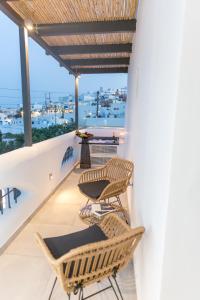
(94, 262)
(100, 260)
(118, 168)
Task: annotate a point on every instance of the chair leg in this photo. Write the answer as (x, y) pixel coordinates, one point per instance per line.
(113, 288)
(117, 285)
(81, 294)
(52, 288)
(123, 212)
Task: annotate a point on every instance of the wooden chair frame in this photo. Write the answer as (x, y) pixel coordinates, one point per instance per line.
(118, 171)
(96, 261)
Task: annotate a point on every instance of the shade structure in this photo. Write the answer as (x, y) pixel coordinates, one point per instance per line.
(83, 35)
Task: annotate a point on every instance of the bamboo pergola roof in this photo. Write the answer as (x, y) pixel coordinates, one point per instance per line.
(90, 39)
(85, 36)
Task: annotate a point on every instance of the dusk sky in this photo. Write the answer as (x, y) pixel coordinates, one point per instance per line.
(45, 72)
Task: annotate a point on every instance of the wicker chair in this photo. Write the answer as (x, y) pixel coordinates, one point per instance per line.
(101, 184)
(88, 256)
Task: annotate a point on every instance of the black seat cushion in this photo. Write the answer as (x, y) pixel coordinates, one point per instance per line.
(60, 245)
(93, 189)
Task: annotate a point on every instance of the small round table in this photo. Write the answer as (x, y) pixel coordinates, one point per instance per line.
(88, 215)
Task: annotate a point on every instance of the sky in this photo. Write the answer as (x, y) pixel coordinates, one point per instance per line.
(45, 72)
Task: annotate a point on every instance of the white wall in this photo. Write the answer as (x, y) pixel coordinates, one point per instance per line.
(28, 169)
(181, 263)
(153, 86)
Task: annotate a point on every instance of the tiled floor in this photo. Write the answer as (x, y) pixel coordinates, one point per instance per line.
(25, 273)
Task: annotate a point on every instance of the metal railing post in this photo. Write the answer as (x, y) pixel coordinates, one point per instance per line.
(76, 101)
(23, 40)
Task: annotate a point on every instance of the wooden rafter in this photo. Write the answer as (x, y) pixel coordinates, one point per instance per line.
(86, 27)
(80, 49)
(97, 61)
(101, 70)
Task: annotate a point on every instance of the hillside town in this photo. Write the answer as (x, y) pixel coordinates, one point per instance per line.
(107, 106)
(52, 117)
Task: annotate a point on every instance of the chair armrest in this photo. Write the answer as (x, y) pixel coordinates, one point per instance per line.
(44, 248)
(112, 225)
(56, 264)
(114, 188)
(93, 175)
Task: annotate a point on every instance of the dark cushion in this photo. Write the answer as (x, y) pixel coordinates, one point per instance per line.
(93, 189)
(60, 245)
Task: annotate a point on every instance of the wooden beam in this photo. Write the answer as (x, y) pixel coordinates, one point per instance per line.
(86, 27)
(101, 70)
(87, 49)
(98, 61)
(10, 13)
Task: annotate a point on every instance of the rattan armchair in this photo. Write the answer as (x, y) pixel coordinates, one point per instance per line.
(101, 184)
(109, 250)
